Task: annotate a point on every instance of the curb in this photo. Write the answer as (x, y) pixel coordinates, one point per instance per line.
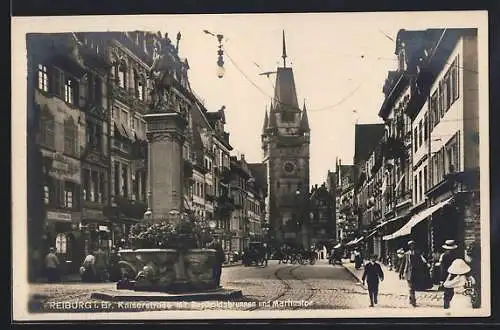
(232, 265)
(355, 277)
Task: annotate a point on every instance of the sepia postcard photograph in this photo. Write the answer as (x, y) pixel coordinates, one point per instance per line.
(251, 166)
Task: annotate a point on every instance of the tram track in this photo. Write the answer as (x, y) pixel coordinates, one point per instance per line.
(290, 292)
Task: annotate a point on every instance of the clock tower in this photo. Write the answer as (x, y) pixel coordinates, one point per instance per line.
(285, 144)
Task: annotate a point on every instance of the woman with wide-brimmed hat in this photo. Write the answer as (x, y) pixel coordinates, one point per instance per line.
(460, 280)
(445, 261)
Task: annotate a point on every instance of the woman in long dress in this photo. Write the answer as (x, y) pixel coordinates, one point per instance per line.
(459, 279)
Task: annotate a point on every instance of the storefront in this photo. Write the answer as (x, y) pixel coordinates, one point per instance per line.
(97, 229)
(61, 232)
(62, 216)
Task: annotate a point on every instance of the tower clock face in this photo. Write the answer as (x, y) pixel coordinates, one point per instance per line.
(289, 167)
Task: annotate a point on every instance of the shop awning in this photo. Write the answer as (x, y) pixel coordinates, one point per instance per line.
(417, 218)
(370, 234)
(388, 221)
(121, 130)
(355, 241)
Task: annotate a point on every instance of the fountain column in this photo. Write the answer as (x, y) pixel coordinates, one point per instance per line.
(165, 135)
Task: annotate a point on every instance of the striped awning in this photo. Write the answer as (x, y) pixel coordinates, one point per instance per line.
(417, 218)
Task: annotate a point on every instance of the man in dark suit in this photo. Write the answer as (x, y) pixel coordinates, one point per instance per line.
(372, 275)
(409, 269)
(220, 257)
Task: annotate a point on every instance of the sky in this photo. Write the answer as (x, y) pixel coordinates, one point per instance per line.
(339, 66)
(340, 63)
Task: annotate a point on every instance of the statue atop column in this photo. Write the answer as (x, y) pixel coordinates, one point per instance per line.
(161, 73)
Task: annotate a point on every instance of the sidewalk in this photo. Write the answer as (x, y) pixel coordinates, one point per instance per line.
(391, 283)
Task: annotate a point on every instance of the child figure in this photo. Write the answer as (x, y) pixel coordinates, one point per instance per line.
(373, 274)
(460, 280)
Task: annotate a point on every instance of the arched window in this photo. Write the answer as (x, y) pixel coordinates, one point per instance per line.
(70, 136)
(47, 128)
(61, 243)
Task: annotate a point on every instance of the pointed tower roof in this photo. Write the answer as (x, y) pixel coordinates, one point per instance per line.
(273, 123)
(266, 122)
(285, 94)
(304, 123)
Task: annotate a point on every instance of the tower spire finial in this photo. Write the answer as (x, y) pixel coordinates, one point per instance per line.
(284, 50)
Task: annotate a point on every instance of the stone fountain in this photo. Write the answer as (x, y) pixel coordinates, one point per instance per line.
(182, 270)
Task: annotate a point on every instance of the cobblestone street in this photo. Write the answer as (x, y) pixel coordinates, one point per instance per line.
(284, 287)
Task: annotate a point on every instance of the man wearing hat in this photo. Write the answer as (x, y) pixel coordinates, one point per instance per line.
(409, 269)
(445, 260)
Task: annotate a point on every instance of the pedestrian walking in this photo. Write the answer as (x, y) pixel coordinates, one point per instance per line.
(87, 270)
(358, 260)
(220, 258)
(372, 275)
(460, 280)
(101, 263)
(412, 268)
(445, 261)
(52, 266)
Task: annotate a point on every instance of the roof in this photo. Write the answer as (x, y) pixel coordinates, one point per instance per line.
(304, 122)
(347, 171)
(285, 94)
(266, 122)
(366, 138)
(259, 171)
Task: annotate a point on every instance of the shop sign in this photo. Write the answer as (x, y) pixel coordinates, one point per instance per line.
(58, 216)
(91, 214)
(63, 167)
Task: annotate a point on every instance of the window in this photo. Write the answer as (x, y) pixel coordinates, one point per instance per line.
(434, 110)
(124, 118)
(122, 76)
(441, 100)
(435, 176)
(420, 134)
(416, 190)
(415, 138)
(43, 78)
(426, 131)
(455, 83)
(125, 180)
(86, 184)
(139, 87)
(70, 136)
(46, 194)
(69, 88)
(116, 179)
(69, 189)
(425, 179)
(94, 194)
(47, 128)
(420, 186)
(93, 134)
(61, 243)
(95, 89)
(102, 188)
